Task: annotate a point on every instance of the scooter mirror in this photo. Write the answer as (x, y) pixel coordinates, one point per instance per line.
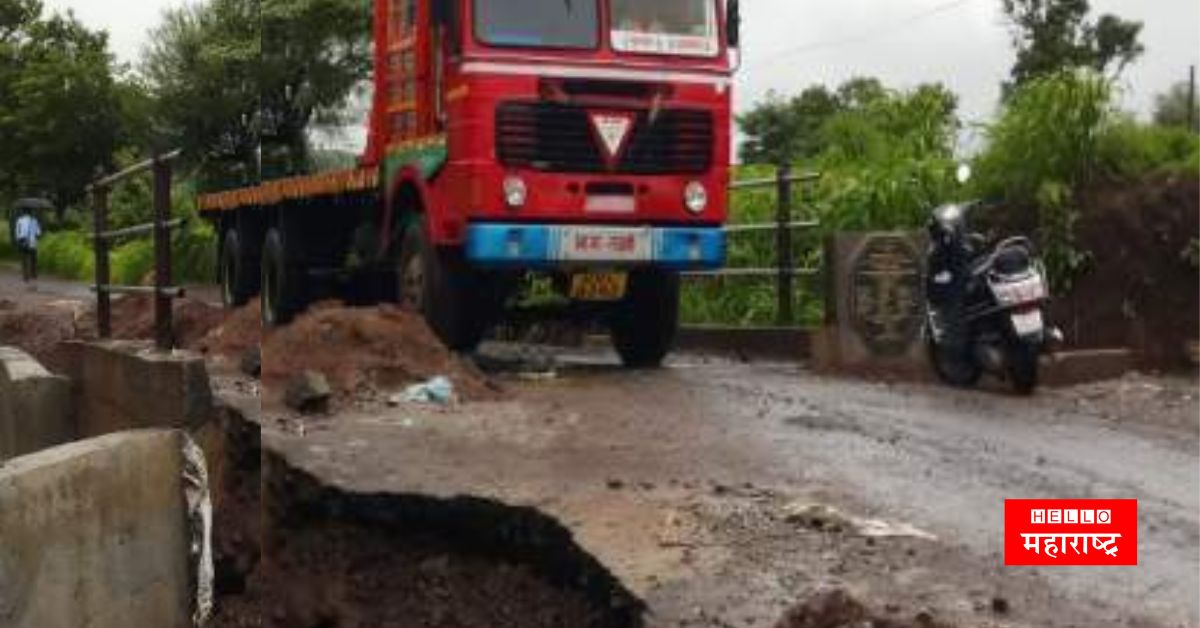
(964, 173)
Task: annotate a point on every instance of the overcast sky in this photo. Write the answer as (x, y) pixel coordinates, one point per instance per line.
(793, 43)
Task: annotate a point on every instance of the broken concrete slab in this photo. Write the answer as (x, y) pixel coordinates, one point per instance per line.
(124, 385)
(94, 533)
(1071, 368)
(35, 406)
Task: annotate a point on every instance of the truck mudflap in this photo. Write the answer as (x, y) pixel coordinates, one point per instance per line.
(539, 246)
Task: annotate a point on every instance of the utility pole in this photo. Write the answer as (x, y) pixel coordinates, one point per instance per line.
(1191, 114)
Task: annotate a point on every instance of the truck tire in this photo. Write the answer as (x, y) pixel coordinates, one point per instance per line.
(237, 276)
(645, 324)
(440, 286)
(282, 285)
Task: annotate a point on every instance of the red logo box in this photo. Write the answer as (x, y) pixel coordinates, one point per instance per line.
(1064, 532)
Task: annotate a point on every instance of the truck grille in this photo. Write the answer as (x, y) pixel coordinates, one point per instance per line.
(559, 138)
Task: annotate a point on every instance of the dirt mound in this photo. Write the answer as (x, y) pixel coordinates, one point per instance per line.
(133, 319)
(360, 349)
(1138, 289)
(240, 332)
(199, 326)
(39, 332)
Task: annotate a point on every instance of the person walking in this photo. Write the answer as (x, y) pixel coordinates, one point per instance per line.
(27, 233)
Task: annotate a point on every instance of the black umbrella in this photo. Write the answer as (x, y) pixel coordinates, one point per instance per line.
(33, 204)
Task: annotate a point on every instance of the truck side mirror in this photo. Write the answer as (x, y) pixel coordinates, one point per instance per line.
(733, 23)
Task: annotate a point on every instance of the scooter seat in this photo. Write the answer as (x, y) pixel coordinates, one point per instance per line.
(1011, 258)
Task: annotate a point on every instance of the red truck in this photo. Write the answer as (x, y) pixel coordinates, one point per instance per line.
(584, 140)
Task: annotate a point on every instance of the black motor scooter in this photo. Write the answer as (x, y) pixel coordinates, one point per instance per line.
(986, 304)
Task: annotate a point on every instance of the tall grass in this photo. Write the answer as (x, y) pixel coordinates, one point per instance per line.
(70, 255)
(67, 254)
(1049, 133)
(1056, 136)
(1129, 150)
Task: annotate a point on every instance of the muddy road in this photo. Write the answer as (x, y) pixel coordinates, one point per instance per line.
(723, 492)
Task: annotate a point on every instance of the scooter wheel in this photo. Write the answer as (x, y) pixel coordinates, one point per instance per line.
(1023, 366)
(957, 371)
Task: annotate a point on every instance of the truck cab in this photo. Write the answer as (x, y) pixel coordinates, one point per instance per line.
(588, 140)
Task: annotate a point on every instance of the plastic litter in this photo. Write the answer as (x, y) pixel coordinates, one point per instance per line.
(439, 390)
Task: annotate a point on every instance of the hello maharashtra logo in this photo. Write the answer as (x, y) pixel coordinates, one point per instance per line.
(1070, 532)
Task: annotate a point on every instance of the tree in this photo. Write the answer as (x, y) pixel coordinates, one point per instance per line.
(202, 68)
(860, 92)
(314, 53)
(238, 79)
(59, 114)
(782, 130)
(1171, 107)
(779, 131)
(1055, 35)
(894, 126)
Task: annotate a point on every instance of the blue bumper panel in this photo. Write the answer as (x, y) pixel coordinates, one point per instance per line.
(540, 246)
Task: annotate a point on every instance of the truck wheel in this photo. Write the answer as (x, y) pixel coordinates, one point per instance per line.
(441, 287)
(645, 324)
(236, 277)
(282, 289)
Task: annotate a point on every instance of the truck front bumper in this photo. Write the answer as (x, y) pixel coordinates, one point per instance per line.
(539, 246)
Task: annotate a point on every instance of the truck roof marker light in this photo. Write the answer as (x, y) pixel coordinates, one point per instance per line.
(515, 192)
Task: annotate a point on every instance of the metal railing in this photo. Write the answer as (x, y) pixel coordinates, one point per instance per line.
(785, 226)
(163, 290)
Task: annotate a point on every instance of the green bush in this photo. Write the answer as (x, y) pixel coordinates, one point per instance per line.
(193, 257)
(67, 254)
(195, 254)
(131, 263)
(885, 165)
(1128, 150)
(1049, 131)
(1056, 136)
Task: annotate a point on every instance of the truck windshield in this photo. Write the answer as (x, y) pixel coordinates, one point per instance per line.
(668, 27)
(538, 23)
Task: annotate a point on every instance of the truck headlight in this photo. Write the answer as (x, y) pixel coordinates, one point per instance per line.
(695, 197)
(515, 192)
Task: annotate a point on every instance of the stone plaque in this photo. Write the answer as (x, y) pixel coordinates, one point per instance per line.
(886, 299)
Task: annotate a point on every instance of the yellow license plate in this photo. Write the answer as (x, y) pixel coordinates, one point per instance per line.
(599, 286)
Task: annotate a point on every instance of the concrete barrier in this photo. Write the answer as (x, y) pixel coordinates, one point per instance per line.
(123, 385)
(95, 534)
(35, 406)
(875, 306)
